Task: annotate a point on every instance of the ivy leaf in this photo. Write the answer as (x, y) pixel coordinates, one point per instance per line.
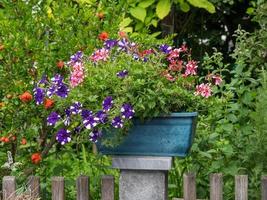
(146, 3)
(138, 13)
(203, 4)
(184, 7)
(163, 8)
(125, 22)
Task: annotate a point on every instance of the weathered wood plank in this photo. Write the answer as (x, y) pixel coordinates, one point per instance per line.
(9, 188)
(107, 188)
(34, 186)
(189, 186)
(82, 185)
(264, 188)
(241, 187)
(216, 186)
(58, 188)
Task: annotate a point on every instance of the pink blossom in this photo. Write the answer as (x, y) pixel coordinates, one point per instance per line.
(175, 53)
(77, 74)
(203, 89)
(191, 68)
(100, 54)
(217, 79)
(176, 65)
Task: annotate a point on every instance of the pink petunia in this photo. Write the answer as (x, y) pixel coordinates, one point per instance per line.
(203, 89)
(191, 68)
(175, 53)
(100, 54)
(176, 65)
(217, 79)
(77, 74)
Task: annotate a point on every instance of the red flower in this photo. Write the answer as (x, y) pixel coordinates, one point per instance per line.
(36, 158)
(103, 36)
(48, 103)
(60, 64)
(25, 97)
(4, 139)
(100, 15)
(122, 34)
(23, 141)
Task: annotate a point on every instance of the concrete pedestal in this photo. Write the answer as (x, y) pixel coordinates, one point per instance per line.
(142, 177)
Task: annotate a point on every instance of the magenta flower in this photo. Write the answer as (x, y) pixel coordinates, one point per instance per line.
(77, 74)
(217, 79)
(191, 68)
(203, 89)
(100, 54)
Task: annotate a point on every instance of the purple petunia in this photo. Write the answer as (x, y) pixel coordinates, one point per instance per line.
(123, 45)
(165, 48)
(127, 111)
(52, 119)
(94, 135)
(67, 119)
(102, 116)
(90, 122)
(122, 74)
(86, 113)
(63, 136)
(76, 108)
(43, 79)
(39, 95)
(57, 80)
(107, 103)
(77, 57)
(110, 43)
(117, 122)
(62, 91)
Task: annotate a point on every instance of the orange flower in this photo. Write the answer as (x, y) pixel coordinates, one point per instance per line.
(60, 64)
(122, 34)
(23, 141)
(25, 97)
(48, 103)
(100, 15)
(103, 36)
(4, 139)
(36, 158)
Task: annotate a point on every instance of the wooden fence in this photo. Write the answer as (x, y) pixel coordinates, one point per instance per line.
(107, 188)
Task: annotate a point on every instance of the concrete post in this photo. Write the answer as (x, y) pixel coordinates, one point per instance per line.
(143, 177)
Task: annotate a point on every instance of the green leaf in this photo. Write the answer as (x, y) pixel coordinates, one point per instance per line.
(125, 22)
(127, 29)
(203, 4)
(185, 7)
(163, 8)
(138, 13)
(154, 23)
(146, 3)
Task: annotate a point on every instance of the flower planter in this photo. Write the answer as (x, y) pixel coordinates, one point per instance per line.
(161, 136)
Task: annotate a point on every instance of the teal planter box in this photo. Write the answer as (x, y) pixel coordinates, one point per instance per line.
(161, 136)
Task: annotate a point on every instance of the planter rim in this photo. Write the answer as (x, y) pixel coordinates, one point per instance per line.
(179, 114)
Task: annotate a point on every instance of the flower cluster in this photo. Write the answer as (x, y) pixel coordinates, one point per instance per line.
(177, 65)
(90, 120)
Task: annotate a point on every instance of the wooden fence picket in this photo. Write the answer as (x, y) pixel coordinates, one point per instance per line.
(216, 186)
(264, 188)
(189, 186)
(241, 187)
(9, 188)
(107, 188)
(82, 185)
(58, 188)
(34, 186)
